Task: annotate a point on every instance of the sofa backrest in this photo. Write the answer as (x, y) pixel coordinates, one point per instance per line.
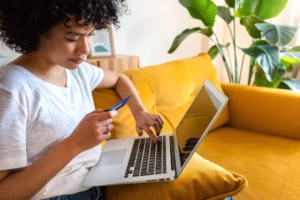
(166, 89)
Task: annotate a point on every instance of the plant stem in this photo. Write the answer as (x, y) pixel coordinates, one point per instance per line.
(229, 73)
(230, 31)
(236, 72)
(252, 61)
(229, 57)
(242, 66)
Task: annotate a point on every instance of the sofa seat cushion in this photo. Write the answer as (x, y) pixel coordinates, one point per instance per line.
(201, 179)
(269, 163)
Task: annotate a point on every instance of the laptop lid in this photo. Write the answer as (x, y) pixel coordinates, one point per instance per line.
(196, 122)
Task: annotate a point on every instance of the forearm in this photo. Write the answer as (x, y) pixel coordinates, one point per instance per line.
(125, 87)
(27, 182)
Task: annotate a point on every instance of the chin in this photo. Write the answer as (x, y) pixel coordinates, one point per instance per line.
(74, 66)
(71, 65)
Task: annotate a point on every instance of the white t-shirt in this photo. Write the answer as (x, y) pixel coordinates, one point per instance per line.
(35, 115)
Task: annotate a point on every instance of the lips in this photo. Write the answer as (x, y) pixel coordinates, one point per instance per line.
(77, 61)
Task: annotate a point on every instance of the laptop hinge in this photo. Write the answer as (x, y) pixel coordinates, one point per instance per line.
(172, 150)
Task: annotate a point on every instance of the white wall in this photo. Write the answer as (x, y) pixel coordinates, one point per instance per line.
(151, 28)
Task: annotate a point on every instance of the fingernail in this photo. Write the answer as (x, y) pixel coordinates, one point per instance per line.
(114, 113)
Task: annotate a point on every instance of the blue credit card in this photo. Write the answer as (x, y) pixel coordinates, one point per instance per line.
(119, 105)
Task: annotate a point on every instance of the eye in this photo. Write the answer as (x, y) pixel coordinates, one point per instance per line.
(71, 40)
(91, 34)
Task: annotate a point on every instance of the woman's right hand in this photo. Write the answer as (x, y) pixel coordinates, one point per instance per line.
(94, 128)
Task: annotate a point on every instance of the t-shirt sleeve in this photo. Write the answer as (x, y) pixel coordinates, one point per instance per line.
(94, 74)
(13, 119)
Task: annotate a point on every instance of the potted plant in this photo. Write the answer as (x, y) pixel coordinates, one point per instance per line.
(270, 55)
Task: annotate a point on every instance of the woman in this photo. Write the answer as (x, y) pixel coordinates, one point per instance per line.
(49, 129)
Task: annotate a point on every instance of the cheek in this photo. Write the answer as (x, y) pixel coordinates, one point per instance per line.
(59, 50)
(65, 48)
(90, 41)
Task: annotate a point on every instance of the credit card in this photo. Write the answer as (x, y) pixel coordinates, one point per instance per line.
(119, 105)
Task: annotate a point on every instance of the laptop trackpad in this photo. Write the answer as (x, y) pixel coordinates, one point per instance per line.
(112, 157)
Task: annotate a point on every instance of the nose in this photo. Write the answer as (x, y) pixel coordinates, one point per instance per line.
(83, 47)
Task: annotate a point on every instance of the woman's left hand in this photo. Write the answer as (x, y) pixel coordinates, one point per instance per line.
(145, 120)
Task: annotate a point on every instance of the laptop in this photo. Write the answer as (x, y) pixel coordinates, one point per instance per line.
(139, 160)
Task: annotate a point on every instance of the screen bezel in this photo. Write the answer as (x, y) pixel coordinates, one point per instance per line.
(223, 100)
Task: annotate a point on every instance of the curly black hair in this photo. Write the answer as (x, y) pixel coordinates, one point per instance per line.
(22, 22)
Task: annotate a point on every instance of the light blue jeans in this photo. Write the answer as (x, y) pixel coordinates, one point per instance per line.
(95, 193)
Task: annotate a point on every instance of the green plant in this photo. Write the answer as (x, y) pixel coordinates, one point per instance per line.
(270, 57)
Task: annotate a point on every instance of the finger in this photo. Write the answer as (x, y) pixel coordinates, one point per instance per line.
(95, 111)
(139, 131)
(101, 116)
(102, 137)
(156, 127)
(157, 120)
(150, 133)
(107, 128)
(105, 122)
(161, 120)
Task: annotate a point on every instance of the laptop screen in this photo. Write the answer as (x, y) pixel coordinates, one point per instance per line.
(196, 120)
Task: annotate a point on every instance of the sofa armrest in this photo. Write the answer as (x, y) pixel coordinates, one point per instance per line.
(264, 110)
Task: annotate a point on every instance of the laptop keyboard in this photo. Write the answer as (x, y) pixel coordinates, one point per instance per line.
(147, 157)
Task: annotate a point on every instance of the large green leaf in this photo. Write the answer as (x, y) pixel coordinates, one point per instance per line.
(289, 62)
(179, 38)
(267, 57)
(277, 33)
(230, 3)
(261, 79)
(224, 13)
(214, 51)
(249, 22)
(264, 9)
(291, 83)
(290, 58)
(204, 10)
(294, 49)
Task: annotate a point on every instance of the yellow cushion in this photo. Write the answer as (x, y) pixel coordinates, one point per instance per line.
(269, 163)
(201, 179)
(264, 110)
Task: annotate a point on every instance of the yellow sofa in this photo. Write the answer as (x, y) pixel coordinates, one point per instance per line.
(256, 136)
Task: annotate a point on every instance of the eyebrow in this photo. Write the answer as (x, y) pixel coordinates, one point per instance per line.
(79, 34)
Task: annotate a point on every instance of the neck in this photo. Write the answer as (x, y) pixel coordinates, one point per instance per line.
(41, 67)
(34, 61)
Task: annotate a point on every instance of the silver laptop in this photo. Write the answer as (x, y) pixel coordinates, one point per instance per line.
(137, 159)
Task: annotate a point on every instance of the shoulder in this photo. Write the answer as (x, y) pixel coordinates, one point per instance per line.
(12, 78)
